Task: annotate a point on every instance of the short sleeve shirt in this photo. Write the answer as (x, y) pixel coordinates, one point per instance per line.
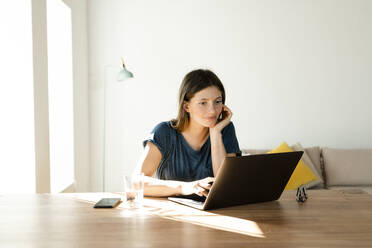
(181, 162)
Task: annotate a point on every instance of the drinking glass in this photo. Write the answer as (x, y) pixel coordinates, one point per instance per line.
(133, 190)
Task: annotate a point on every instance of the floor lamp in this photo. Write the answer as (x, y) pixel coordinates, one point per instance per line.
(122, 75)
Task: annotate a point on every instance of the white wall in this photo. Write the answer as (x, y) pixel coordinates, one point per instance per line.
(293, 70)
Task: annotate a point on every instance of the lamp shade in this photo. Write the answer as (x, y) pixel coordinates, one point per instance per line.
(123, 74)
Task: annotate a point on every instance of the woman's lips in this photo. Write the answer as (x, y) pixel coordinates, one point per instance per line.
(213, 118)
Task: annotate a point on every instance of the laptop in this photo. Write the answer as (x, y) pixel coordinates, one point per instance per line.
(246, 179)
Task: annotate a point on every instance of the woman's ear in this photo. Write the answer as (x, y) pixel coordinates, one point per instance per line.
(186, 106)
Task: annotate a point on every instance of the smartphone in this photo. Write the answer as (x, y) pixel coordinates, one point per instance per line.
(107, 203)
(222, 115)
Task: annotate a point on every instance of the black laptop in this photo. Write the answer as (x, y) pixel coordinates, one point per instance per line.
(247, 179)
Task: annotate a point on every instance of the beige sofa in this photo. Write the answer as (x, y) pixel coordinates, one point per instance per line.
(346, 169)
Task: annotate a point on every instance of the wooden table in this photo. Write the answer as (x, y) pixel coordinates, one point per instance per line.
(327, 219)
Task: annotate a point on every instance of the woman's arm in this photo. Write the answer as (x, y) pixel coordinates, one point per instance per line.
(148, 164)
(218, 150)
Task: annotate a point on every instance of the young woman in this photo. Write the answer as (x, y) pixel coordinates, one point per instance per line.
(186, 153)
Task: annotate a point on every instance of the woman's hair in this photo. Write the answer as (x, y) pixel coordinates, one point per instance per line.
(192, 83)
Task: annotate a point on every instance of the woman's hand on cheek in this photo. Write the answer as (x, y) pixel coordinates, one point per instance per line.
(220, 124)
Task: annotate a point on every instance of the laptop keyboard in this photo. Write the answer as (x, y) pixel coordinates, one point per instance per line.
(188, 202)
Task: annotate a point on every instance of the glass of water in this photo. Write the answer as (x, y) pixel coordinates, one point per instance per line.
(133, 190)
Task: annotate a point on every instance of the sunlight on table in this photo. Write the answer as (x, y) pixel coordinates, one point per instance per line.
(174, 211)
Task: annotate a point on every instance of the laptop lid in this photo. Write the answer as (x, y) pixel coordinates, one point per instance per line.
(251, 179)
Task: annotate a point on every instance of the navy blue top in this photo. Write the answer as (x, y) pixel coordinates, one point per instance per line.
(181, 162)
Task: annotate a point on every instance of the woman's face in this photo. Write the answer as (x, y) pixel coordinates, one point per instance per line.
(205, 106)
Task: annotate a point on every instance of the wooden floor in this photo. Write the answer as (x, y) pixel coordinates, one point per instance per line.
(327, 219)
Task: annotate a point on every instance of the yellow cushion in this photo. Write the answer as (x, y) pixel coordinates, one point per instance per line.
(301, 175)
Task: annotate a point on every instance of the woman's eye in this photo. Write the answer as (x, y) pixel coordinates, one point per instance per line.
(203, 103)
(219, 101)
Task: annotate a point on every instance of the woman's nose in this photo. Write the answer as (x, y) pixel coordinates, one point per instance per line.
(212, 109)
